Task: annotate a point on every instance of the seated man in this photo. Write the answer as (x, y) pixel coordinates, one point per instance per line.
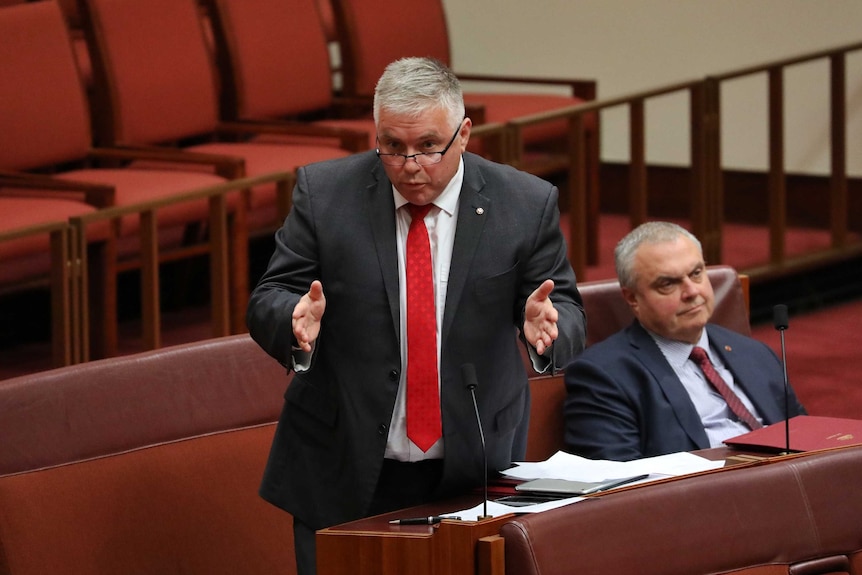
(642, 392)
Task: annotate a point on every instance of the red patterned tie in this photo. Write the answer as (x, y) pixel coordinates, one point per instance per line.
(698, 355)
(423, 398)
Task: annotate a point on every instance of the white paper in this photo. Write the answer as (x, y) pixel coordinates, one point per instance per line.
(497, 509)
(563, 465)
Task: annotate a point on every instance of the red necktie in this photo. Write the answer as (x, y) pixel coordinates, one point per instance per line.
(698, 355)
(423, 398)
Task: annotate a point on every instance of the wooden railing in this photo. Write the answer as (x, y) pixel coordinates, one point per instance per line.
(777, 191)
(706, 194)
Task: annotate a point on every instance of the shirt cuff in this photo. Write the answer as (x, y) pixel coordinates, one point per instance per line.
(300, 359)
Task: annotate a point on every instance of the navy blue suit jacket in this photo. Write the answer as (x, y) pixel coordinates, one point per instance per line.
(624, 401)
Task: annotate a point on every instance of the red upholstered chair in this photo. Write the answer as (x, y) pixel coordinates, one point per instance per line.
(46, 130)
(327, 20)
(275, 65)
(156, 85)
(82, 56)
(373, 33)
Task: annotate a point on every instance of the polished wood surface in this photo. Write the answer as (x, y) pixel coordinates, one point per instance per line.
(373, 546)
(470, 546)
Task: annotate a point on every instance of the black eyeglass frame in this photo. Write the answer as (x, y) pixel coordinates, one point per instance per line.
(420, 154)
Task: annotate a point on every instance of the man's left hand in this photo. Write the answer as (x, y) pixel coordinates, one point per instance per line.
(540, 318)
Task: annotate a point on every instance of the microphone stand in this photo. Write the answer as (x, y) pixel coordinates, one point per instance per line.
(786, 395)
(468, 372)
(781, 323)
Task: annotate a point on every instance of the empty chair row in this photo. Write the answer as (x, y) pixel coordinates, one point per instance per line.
(169, 121)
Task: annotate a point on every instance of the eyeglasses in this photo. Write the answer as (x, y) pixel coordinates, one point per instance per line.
(422, 158)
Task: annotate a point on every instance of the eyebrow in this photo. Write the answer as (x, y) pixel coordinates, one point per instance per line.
(677, 279)
(423, 137)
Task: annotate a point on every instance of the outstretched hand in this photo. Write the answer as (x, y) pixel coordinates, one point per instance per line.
(540, 318)
(307, 315)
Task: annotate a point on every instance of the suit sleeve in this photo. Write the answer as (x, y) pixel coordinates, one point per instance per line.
(601, 421)
(549, 260)
(292, 268)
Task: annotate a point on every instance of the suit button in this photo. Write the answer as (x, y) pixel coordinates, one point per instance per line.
(393, 375)
(381, 429)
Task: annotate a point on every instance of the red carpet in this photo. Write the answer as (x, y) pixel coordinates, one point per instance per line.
(824, 358)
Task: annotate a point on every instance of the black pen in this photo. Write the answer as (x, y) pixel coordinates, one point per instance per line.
(430, 520)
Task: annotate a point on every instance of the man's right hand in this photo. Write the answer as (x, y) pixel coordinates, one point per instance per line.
(307, 315)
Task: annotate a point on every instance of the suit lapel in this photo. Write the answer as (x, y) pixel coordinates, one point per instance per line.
(654, 361)
(472, 210)
(380, 210)
(745, 375)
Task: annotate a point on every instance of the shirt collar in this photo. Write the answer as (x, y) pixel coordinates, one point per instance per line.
(677, 352)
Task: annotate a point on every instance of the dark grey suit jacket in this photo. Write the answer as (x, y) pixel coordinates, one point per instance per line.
(328, 449)
(624, 401)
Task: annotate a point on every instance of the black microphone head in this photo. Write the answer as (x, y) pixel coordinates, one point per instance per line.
(779, 316)
(468, 376)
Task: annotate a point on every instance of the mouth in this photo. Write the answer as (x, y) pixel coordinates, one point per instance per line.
(693, 310)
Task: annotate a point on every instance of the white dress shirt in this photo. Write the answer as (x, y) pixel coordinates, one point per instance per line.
(440, 222)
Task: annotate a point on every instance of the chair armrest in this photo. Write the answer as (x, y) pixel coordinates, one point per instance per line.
(351, 140)
(98, 195)
(230, 167)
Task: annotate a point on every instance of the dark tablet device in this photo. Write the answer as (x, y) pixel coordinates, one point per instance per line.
(569, 488)
(526, 500)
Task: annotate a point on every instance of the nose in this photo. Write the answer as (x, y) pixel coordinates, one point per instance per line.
(689, 288)
(412, 165)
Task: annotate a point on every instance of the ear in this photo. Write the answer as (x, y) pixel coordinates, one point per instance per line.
(631, 298)
(464, 134)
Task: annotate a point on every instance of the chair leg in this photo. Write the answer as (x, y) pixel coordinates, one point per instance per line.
(219, 233)
(102, 299)
(150, 291)
(62, 331)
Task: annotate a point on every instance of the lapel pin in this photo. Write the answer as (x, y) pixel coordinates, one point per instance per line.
(480, 211)
(728, 348)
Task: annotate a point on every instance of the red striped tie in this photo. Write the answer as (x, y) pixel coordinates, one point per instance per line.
(698, 355)
(423, 398)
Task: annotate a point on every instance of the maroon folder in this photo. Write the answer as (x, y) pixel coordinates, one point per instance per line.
(807, 433)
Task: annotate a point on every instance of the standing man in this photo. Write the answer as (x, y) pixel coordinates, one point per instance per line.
(671, 381)
(377, 416)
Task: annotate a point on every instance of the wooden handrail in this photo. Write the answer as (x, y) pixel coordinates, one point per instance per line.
(584, 233)
(707, 186)
(227, 249)
(777, 189)
(786, 62)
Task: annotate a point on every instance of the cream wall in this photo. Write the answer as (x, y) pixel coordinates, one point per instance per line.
(633, 45)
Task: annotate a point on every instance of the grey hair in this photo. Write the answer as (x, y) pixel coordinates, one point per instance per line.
(412, 86)
(649, 232)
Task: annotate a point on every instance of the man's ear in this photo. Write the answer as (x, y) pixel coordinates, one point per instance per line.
(465, 133)
(631, 298)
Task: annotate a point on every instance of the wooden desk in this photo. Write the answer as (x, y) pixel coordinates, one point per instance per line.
(373, 546)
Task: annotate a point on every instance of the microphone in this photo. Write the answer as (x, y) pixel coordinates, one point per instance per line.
(471, 382)
(779, 318)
